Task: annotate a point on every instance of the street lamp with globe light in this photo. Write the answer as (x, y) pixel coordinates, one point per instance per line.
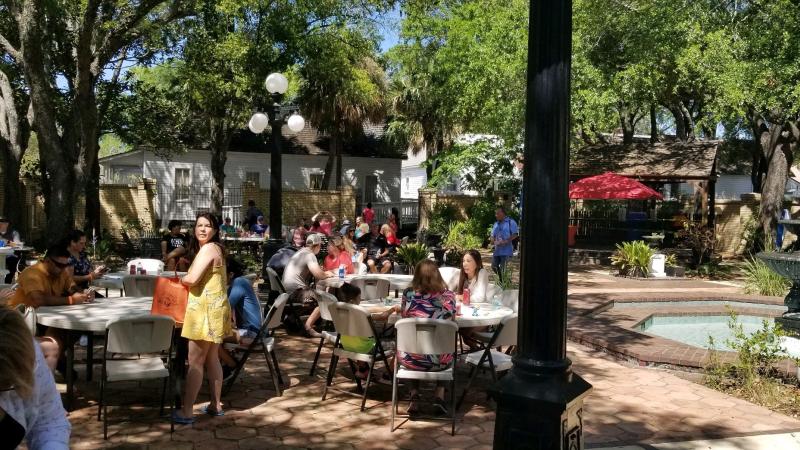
(275, 116)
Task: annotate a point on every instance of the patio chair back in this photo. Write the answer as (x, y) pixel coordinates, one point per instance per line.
(511, 299)
(507, 336)
(371, 288)
(140, 334)
(275, 283)
(450, 275)
(426, 336)
(351, 320)
(325, 300)
(139, 285)
(152, 266)
(275, 320)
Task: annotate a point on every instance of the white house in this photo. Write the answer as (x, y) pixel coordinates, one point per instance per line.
(184, 180)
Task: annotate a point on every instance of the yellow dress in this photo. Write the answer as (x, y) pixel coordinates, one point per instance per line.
(208, 313)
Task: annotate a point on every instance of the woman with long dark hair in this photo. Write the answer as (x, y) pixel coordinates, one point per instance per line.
(208, 316)
(473, 277)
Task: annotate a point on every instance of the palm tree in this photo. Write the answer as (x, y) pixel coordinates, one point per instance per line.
(338, 94)
(418, 119)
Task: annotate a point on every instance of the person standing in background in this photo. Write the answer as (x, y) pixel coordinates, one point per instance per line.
(368, 214)
(504, 232)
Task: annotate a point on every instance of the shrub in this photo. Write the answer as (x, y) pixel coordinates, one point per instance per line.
(760, 279)
(441, 216)
(463, 236)
(700, 239)
(633, 258)
(411, 254)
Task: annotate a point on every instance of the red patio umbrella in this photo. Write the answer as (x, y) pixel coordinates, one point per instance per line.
(610, 186)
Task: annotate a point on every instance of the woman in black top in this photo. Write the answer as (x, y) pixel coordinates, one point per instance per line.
(173, 248)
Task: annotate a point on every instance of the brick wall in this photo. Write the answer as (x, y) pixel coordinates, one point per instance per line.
(304, 204)
(732, 218)
(429, 198)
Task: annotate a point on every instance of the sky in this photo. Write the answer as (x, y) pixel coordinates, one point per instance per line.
(389, 28)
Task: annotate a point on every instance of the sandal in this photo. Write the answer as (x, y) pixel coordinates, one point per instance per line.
(182, 420)
(212, 412)
(413, 408)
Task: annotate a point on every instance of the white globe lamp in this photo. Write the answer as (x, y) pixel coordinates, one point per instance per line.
(276, 83)
(296, 123)
(258, 123)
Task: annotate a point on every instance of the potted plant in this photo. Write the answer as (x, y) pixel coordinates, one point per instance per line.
(460, 239)
(672, 267)
(633, 258)
(411, 254)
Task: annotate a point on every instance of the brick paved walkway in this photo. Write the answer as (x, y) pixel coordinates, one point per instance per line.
(628, 405)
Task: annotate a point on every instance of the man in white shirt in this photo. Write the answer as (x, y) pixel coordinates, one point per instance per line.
(297, 277)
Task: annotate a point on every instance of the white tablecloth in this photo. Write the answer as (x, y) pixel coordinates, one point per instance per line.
(92, 316)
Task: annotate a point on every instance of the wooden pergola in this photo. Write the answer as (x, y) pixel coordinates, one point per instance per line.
(660, 162)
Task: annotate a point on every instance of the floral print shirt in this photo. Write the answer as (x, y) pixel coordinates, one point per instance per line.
(438, 305)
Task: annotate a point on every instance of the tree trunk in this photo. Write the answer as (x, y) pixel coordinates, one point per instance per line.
(680, 125)
(57, 161)
(220, 141)
(332, 150)
(778, 156)
(14, 134)
(627, 121)
(13, 195)
(653, 125)
(339, 167)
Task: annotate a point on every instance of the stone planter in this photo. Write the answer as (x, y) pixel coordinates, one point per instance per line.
(676, 271)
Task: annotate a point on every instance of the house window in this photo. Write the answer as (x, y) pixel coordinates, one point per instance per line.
(182, 184)
(253, 177)
(315, 181)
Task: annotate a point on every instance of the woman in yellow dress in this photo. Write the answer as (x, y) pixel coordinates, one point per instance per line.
(208, 317)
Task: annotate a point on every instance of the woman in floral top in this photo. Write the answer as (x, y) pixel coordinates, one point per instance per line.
(427, 298)
(82, 272)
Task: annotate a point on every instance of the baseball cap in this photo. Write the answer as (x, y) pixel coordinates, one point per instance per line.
(313, 239)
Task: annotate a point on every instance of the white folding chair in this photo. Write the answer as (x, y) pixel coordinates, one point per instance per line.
(29, 314)
(505, 335)
(450, 275)
(262, 342)
(127, 341)
(139, 285)
(372, 288)
(152, 266)
(425, 337)
(352, 320)
(510, 299)
(325, 302)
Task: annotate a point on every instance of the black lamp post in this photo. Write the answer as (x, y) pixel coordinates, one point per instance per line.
(539, 404)
(276, 116)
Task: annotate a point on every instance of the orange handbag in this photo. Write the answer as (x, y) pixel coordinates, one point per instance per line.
(170, 298)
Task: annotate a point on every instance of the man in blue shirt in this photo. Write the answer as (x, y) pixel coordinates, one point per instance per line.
(504, 232)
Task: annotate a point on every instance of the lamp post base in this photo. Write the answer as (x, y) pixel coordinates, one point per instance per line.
(539, 412)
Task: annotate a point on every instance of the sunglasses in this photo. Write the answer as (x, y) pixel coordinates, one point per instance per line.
(60, 265)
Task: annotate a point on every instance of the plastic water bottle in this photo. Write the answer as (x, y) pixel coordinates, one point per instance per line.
(139, 269)
(341, 271)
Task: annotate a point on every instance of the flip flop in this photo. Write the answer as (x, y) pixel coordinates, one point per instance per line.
(212, 412)
(182, 420)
